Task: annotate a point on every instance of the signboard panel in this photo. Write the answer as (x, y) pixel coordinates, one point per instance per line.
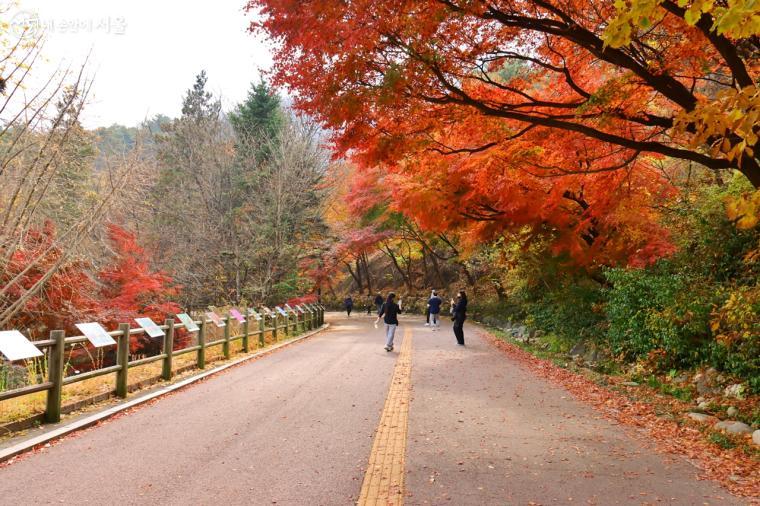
(187, 322)
(96, 334)
(300, 309)
(267, 311)
(236, 315)
(256, 316)
(216, 319)
(150, 327)
(281, 311)
(15, 346)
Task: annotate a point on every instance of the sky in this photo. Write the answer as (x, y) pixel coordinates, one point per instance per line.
(145, 54)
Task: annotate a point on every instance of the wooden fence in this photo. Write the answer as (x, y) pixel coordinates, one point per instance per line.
(288, 324)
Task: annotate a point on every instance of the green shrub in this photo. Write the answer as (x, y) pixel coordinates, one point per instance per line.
(658, 309)
(572, 311)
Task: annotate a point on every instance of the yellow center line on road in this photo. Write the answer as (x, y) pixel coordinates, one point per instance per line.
(384, 480)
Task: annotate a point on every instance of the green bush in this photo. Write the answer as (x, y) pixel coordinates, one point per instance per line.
(658, 309)
(572, 311)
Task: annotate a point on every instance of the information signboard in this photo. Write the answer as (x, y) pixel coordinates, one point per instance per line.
(187, 322)
(256, 316)
(281, 311)
(215, 318)
(236, 315)
(15, 346)
(150, 327)
(268, 311)
(96, 334)
(300, 309)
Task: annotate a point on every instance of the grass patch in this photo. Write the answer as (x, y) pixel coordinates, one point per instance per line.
(721, 440)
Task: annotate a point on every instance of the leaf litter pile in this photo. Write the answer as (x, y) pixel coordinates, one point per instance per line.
(732, 468)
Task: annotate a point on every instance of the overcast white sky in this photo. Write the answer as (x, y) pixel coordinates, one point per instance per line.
(145, 54)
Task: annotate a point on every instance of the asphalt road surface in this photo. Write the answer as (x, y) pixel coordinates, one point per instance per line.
(296, 428)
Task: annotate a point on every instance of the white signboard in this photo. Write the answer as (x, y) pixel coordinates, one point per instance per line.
(256, 316)
(15, 346)
(281, 311)
(187, 322)
(150, 327)
(96, 334)
(300, 309)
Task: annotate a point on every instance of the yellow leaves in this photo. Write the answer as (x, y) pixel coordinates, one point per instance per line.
(696, 9)
(631, 14)
(731, 112)
(739, 19)
(737, 319)
(744, 210)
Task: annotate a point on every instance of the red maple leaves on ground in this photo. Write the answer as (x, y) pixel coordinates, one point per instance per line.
(732, 468)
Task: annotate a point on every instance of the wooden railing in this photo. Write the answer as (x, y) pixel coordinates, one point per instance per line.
(288, 324)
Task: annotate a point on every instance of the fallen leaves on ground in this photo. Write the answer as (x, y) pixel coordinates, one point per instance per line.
(732, 468)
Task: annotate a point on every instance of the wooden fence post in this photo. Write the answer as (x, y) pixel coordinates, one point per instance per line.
(245, 332)
(166, 371)
(202, 343)
(55, 376)
(122, 359)
(262, 328)
(275, 317)
(226, 345)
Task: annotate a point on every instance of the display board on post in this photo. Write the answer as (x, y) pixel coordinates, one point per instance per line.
(188, 322)
(15, 346)
(96, 334)
(150, 327)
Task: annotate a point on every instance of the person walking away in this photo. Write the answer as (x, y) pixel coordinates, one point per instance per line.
(460, 314)
(348, 303)
(427, 310)
(378, 301)
(434, 308)
(389, 313)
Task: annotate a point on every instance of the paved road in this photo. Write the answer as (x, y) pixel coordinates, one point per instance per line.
(296, 428)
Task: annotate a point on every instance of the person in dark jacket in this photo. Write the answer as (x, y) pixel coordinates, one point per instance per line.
(459, 315)
(434, 309)
(379, 301)
(389, 313)
(348, 303)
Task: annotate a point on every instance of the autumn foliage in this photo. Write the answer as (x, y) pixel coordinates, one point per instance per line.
(557, 117)
(125, 288)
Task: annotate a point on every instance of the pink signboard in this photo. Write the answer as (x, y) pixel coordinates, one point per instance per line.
(236, 315)
(215, 318)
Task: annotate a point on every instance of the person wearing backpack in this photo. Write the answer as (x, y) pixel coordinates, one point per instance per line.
(348, 303)
(434, 308)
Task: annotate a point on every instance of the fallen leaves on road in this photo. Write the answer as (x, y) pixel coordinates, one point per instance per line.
(732, 468)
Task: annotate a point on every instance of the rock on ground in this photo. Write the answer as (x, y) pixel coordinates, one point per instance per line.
(733, 427)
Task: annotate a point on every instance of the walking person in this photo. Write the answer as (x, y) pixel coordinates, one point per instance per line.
(348, 303)
(459, 315)
(379, 301)
(427, 311)
(434, 309)
(389, 313)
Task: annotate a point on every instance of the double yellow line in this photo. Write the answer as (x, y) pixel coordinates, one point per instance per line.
(384, 480)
